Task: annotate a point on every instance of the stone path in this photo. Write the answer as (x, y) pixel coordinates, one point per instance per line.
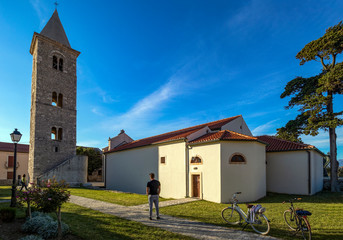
(6, 200)
(190, 228)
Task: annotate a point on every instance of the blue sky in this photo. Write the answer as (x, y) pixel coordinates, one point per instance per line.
(150, 67)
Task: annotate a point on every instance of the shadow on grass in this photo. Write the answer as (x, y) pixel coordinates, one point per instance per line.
(321, 197)
(90, 224)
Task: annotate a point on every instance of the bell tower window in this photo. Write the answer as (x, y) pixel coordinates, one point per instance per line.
(54, 99)
(53, 133)
(60, 134)
(60, 100)
(60, 65)
(54, 62)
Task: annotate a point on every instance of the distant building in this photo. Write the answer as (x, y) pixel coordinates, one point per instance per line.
(211, 161)
(7, 161)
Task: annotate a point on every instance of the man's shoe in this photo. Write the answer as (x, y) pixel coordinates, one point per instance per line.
(150, 218)
(158, 218)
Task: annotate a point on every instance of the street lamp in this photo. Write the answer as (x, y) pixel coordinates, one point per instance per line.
(15, 136)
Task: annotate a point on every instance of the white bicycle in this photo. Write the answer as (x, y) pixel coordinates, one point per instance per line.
(234, 215)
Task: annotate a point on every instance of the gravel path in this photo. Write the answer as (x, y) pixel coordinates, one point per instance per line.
(191, 228)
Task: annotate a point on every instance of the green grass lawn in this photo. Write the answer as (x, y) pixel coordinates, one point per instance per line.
(126, 199)
(88, 223)
(5, 192)
(326, 220)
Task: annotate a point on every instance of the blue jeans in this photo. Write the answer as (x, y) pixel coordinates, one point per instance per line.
(153, 199)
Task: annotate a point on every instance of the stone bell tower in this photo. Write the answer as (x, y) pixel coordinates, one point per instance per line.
(53, 99)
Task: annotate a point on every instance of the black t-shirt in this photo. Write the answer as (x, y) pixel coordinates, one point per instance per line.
(153, 187)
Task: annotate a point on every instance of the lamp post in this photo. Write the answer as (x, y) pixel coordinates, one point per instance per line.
(15, 136)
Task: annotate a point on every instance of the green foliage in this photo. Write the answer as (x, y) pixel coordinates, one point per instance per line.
(94, 158)
(313, 96)
(7, 214)
(44, 225)
(52, 196)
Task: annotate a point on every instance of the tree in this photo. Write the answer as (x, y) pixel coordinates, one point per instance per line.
(94, 158)
(314, 95)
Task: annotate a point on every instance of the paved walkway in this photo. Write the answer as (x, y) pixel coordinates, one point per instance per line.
(6, 200)
(190, 228)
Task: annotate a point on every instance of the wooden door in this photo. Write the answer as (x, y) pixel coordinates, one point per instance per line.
(196, 185)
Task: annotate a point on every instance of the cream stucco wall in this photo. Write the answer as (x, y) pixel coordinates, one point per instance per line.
(238, 125)
(172, 173)
(248, 178)
(209, 170)
(22, 159)
(317, 172)
(287, 172)
(129, 170)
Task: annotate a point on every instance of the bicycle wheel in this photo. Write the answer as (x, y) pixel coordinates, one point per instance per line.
(260, 224)
(290, 219)
(231, 216)
(305, 228)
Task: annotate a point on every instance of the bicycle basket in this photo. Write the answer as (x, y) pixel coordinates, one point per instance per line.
(303, 213)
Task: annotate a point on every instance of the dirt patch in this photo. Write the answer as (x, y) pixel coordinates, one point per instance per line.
(12, 231)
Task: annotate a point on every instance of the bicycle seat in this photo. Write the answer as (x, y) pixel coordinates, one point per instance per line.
(249, 206)
(303, 213)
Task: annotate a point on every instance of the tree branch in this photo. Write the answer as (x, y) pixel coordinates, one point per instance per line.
(322, 61)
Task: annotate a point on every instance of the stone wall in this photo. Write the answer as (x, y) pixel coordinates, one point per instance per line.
(73, 171)
(5, 182)
(327, 183)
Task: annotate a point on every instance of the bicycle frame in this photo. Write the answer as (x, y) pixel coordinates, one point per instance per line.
(241, 212)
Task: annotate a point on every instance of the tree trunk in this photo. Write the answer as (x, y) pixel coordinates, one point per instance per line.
(29, 209)
(333, 149)
(333, 161)
(59, 224)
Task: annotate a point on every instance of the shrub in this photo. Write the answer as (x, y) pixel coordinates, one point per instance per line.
(32, 237)
(38, 220)
(44, 225)
(7, 214)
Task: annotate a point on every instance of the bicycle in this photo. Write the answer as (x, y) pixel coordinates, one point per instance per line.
(296, 220)
(234, 215)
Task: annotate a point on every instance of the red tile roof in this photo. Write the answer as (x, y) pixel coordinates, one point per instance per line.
(223, 135)
(9, 147)
(175, 135)
(276, 144)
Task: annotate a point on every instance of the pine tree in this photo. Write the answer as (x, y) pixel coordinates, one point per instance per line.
(314, 95)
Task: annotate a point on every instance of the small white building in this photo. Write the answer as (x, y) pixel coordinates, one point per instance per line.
(210, 161)
(293, 168)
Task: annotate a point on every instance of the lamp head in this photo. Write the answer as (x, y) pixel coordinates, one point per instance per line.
(15, 136)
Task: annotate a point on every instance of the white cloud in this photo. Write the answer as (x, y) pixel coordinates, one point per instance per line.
(265, 129)
(41, 11)
(144, 113)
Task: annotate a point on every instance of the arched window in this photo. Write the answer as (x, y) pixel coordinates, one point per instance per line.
(53, 133)
(60, 134)
(237, 158)
(60, 65)
(54, 62)
(196, 160)
(54, 99)
(60, 100)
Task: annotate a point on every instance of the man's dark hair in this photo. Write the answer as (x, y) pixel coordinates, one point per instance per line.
(152, 175)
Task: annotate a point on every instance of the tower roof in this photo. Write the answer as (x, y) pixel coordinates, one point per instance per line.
(54, 30)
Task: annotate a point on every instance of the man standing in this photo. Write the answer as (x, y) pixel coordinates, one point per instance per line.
(153, 190)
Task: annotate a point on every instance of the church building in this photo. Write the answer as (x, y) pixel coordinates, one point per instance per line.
(211, 161)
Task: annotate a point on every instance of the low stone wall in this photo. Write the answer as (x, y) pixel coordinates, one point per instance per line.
(73, 171)
(327, 183)
(5, 182)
